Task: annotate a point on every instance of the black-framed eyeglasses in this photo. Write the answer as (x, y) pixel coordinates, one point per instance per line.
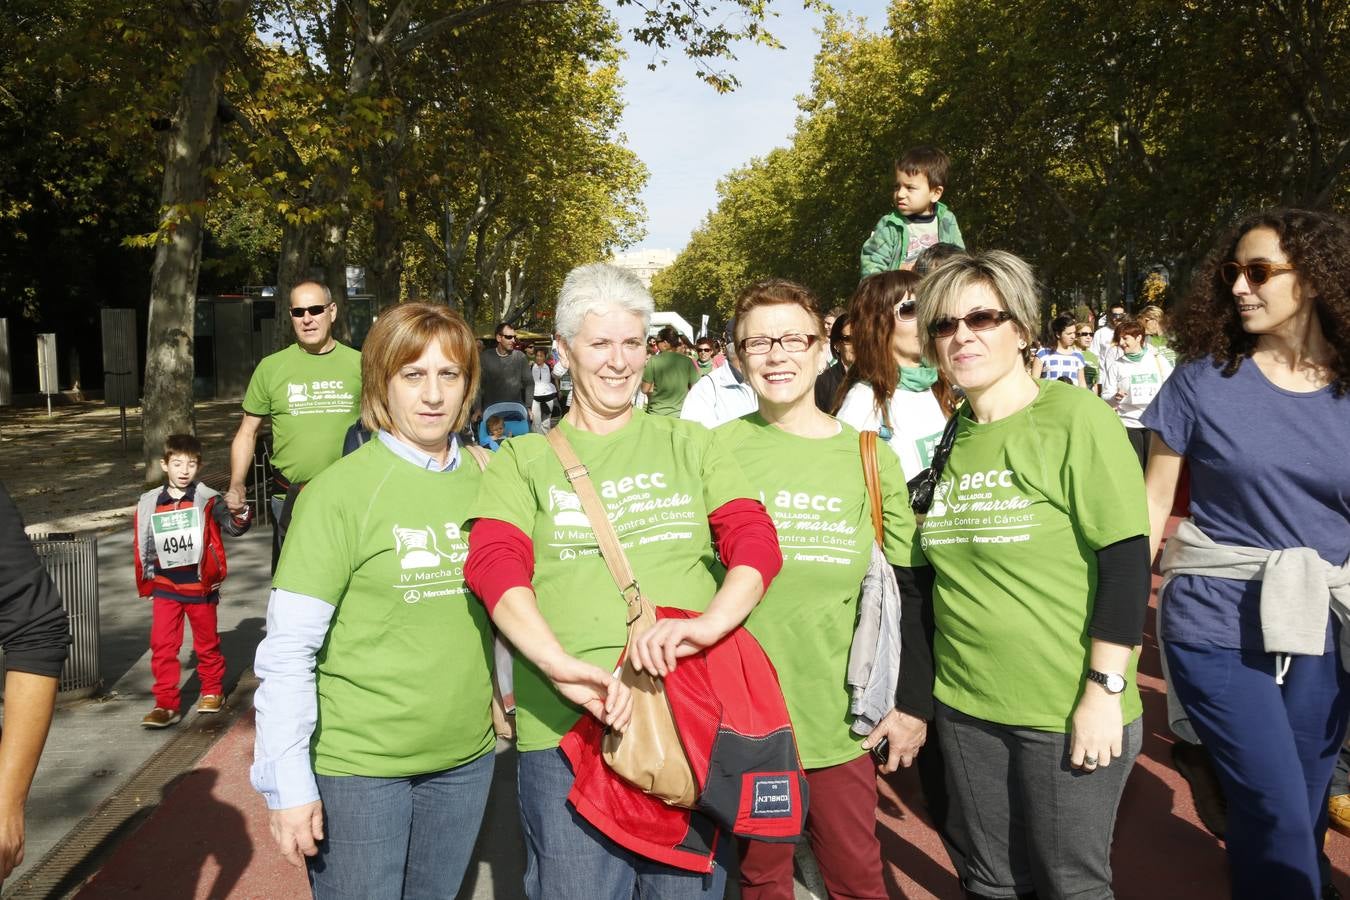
(791, 343)
(906, 310)
(979, 320)
(299, 312)
(1257, 273)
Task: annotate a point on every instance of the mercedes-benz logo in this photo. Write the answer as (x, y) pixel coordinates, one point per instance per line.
(412, 596)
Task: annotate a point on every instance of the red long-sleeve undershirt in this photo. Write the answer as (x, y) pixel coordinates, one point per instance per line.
(501, 556)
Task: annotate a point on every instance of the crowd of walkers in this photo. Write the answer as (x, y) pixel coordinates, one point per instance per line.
(1014, 496)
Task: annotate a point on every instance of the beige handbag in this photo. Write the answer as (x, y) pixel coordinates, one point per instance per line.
(649, 754)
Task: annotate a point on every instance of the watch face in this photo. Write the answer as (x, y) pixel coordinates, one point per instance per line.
(1115, 683)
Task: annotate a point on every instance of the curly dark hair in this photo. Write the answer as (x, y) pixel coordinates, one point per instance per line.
(1318, 245)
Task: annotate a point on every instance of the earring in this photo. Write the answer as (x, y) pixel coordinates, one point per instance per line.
(1021, 345)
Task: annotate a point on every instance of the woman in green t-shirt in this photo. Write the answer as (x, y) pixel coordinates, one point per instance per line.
(674, 495)
(808, 469)
(374, 737)
(1038, 536)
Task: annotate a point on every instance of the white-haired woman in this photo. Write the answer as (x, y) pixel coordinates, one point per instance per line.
(1039, 542)
(533, 561)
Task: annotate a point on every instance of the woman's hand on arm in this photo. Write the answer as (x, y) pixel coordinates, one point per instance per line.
(297, 831)
(1098, 723)
(592, 688)
(657, 650)
(1160, 485)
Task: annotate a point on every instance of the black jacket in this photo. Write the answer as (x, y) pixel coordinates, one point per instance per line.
(34, 631)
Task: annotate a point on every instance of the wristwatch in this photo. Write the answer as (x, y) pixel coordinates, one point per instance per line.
(1114, 682)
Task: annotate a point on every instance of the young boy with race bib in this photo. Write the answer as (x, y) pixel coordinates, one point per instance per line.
(180, 565)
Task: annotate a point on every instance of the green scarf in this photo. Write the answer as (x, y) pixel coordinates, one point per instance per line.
(1135, 357)
(918, 378)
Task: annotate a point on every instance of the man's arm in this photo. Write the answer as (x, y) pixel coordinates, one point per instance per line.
(35, 634)
(29, 701)
(241, 457)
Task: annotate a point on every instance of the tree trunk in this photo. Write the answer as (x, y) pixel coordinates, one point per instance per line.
(386, 257)
(192, 149)
(293, 267)
(335, 275)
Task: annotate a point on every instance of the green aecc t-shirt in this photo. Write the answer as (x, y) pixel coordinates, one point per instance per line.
(658, 478)
(312, 400)
(1023, 506)
(671, 374)
(403, 677)
(815, 492)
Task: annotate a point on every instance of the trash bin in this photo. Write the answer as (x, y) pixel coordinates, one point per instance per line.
(72, 562)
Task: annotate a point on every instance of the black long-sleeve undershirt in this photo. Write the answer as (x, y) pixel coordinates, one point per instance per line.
(34, 630)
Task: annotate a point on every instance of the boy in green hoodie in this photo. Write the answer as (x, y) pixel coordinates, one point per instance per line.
(919, 220)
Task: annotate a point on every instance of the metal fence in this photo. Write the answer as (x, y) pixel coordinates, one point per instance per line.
(72, 562)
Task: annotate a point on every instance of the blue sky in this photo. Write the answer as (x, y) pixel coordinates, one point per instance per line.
(689, 136)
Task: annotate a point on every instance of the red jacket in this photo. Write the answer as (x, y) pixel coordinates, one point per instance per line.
(734, 725)
(187, 584)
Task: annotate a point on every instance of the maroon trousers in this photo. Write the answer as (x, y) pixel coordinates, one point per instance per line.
(166, 637)
(842, 818)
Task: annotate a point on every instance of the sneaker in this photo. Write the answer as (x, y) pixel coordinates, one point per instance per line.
(159, 717)
(210, 703)
(1338, 813)
(1192, 762)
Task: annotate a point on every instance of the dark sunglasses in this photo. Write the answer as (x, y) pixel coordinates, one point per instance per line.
(1257, 273)
(979, 320)
(509, 337)
(704, 349)
(905, 310)
(844, 340)
(298, 312)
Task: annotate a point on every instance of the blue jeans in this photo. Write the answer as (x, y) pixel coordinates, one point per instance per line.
(567, 857)
(1274, 747)
(399, 838)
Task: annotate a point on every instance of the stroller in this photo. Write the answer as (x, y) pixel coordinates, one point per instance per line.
(515, 418)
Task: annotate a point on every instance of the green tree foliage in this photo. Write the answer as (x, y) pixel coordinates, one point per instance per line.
(1096, 139)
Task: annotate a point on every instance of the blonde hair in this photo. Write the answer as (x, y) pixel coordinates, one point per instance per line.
(398, 337)
(1151, 312)
(1008, 276)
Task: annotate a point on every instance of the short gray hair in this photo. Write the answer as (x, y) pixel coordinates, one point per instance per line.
(325, 289)
(1008, 276)
(595, 288)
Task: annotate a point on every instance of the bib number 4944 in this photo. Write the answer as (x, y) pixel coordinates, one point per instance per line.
(178, 537)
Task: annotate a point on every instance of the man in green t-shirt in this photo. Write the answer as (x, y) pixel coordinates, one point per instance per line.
(668, 375)
(311, 392)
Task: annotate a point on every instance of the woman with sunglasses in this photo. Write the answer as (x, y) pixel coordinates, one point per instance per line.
(808, 468)
(1258, 410)
(889, 389)
(830, 382)
(1062, 360)
(1038, 536)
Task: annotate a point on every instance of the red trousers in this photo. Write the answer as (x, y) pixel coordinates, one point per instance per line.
(842, 819)
(166, 637)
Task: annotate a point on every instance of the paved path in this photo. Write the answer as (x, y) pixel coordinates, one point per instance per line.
(206, 836)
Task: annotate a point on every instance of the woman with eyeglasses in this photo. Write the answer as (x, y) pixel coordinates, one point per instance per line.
(1258, 409)
(808, 468)
(1038, 537)
(704, 356)
(1062, 360)
(889, 389)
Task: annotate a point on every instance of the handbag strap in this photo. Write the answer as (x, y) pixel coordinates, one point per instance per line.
(579, 477)
(867, 447)
(944, 445)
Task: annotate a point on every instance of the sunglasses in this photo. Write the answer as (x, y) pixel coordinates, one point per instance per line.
(299, 312)
(1256, 273)
(792, 343)
(704, 349)
(906, 310)
(979, 320)
(509, 337)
